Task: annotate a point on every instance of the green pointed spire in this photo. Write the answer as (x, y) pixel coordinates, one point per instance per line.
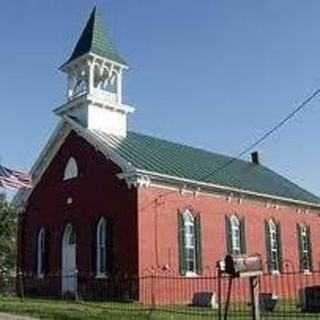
(95, 39)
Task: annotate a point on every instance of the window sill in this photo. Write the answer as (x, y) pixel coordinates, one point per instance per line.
(191, 275)
(40, 276)
(275, 273)
(307, 272)
(101, 276)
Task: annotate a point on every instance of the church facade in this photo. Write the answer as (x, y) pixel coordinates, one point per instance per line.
(110, 203)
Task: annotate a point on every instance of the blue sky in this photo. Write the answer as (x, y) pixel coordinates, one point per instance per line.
(212, 73)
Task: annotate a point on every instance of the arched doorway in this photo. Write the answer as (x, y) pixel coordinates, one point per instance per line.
(69, 276)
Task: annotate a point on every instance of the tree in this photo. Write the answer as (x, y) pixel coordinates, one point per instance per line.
(8, 235)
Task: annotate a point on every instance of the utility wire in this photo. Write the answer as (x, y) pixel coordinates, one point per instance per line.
(258, 141)
(267, 134)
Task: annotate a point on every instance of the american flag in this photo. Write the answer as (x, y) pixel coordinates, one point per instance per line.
(12, 179)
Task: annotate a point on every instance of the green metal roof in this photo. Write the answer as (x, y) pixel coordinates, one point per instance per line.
(95, 39)
(178, 160)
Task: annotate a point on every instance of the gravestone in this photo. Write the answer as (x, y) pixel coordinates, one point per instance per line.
(267, 302)
(310, 299)
(205, 299)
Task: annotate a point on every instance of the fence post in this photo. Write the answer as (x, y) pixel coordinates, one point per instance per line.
(20, 285)
(219, 293)
(152, 309)
(254, 290)
(76, 291)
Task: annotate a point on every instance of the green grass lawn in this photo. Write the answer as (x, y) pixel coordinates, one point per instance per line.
(72, 310)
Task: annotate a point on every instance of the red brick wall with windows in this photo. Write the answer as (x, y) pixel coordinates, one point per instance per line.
(158, 231)
(95, 193)
(145, 227)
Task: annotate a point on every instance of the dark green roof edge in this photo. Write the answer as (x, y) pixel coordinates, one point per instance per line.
(95, 39)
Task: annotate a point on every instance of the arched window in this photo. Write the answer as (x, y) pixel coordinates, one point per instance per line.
(101, 247)
(190, 243)
(41, 253)
(274, 253)
(71, 171)
(305, 250)
(235, 235)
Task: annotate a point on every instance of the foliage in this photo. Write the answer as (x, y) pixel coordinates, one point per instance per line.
(8, 232)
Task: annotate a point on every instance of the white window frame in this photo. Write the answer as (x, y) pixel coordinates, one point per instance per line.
(305, 246)
(274, 247)
(41, 253)
(71, 170)
(101, 247)
(235, 226)
(190, 243)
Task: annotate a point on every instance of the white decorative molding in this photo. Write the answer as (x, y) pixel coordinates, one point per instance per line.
(135, 180)
(211, 187)
(197, 192)
(94, 94)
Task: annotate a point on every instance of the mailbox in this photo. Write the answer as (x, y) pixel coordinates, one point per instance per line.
(242, 265)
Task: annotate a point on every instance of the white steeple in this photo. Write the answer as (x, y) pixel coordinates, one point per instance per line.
(94, 91)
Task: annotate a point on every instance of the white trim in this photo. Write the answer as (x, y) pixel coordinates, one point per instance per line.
(136, 180)
(190, 274)
(80, 100)
(49, 151)
(69, 276)
(101, 276)
(274, 245)
(307, 272)
(304, 241)
(89, 56)
(130, 173)
(235, 234)
(190, 241)
(63, 129)
(41, 247)
(102, 223)
(190, 182)
(71, 170)
(101, 145)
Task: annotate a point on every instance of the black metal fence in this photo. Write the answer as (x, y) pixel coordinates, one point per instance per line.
(293, 295)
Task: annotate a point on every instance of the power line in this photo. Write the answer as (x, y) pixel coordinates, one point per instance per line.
(268, 133)
(260, 140)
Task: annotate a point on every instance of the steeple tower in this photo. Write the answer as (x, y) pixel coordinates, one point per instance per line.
(95, 70)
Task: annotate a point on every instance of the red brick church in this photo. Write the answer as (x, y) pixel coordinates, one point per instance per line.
(108, 202)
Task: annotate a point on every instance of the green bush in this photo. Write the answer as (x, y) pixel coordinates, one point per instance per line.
(8, 251)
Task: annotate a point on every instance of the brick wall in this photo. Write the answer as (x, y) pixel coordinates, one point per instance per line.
(97, 192)
(158, 227)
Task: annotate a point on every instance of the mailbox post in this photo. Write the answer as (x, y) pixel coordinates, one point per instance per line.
(240, 266)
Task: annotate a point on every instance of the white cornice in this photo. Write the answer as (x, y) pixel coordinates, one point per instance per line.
(99, 101)
(135, 179)
(210, 187)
